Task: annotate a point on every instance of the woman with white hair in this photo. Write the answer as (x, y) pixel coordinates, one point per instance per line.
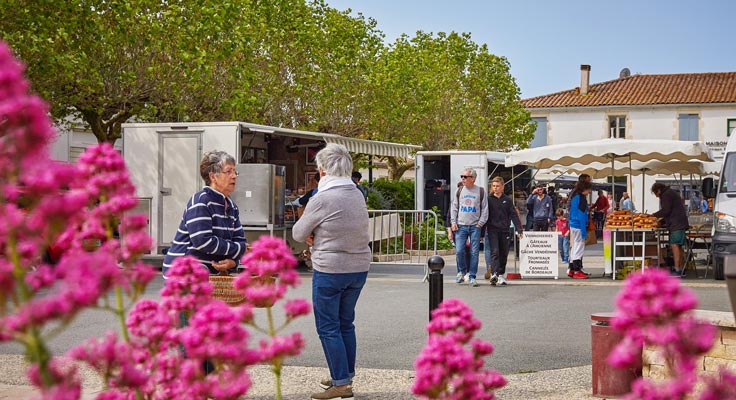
(335, 224)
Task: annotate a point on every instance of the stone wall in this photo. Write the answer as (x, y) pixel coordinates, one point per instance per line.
(723, 352)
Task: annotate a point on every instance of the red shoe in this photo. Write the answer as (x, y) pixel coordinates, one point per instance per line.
(570, 273)
(586, 273)
(579, 275)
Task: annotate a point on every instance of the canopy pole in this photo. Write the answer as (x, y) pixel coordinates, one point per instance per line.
(643, 184)
(613, 180)
(513, 199)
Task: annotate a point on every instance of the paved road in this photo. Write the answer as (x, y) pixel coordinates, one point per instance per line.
(538, 325)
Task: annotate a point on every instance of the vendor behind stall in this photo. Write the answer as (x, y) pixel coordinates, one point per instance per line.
(672, 211)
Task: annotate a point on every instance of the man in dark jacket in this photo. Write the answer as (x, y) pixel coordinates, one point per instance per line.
(540, 208)
(672, 211)
(501, 212)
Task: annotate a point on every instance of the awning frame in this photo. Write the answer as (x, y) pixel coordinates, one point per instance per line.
(361, 146)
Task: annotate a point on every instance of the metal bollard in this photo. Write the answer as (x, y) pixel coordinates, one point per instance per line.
(435, 263)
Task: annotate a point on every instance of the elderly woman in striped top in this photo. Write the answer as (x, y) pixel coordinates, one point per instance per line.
(210, 228)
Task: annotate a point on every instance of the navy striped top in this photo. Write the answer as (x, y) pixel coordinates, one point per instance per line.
(210, 230)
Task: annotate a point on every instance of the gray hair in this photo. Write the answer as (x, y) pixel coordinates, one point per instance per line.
(213, 161)
(335, 160)
(471, 171)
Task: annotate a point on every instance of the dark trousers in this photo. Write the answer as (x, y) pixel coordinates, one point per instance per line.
(541, 224)
(499, 243)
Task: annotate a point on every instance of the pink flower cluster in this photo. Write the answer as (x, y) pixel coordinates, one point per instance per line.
(44, 208)
(446, 368)
(269, 257)
(269, 271)
(652, 309)
(163, 356)
(73, 212)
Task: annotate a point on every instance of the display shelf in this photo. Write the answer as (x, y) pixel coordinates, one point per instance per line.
(627, 242)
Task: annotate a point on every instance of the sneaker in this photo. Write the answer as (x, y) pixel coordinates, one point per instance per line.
(570, 273)
(459, 278)
(579, 275)
(586, 273)
(473, 283)
(466, 278)
(335, 392)
(677, 273)
(488, 274)
(566, 261)
(494, 279)
(501, 281)
(327, 383)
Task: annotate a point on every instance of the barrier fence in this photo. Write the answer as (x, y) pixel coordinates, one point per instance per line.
(407, 237)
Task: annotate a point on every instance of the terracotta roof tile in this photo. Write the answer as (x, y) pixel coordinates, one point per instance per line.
(705, 88)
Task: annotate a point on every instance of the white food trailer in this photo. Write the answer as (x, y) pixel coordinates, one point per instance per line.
(438, 173)
(163, 160)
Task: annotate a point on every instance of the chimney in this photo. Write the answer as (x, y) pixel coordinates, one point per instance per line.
(584, 79)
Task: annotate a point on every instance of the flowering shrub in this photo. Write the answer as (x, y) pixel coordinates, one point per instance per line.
(72, 207)
(76, 209)
(652, 309)
(270, 271)
(446, 368)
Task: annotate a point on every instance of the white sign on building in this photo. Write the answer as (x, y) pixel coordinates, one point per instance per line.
(538, 252)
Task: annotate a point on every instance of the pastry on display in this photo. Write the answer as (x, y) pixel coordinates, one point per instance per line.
(624, 219)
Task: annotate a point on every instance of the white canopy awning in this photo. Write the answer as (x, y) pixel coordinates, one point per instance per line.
(362, 146)
(603, 170)
(607, 150)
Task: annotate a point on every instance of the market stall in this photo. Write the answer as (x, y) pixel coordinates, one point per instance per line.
(611, 157)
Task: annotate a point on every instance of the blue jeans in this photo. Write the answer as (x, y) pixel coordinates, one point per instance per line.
(333, 299)
(563, 244)
(461, 236)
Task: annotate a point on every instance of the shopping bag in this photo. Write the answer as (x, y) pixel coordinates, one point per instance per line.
(590, 233)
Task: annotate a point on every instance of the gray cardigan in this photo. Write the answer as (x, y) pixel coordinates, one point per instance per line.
(338, 218)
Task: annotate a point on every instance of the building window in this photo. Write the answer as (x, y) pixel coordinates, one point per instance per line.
(540, 135)
(617, 126)
(689, 127)
(730, 126)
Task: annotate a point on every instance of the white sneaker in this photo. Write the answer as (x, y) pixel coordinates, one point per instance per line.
(494, 279)
(501, 280)
(466, 278)
(459, 277)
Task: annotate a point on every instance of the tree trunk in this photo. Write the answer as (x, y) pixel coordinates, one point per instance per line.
(105, 131)
(397, 167)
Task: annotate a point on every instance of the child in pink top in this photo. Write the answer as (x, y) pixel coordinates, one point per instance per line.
(563, 235)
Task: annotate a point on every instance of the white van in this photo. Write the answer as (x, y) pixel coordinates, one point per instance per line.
(724, 221)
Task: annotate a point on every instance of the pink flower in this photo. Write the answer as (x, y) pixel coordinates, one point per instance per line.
(297, 307)
(446, 369)
(65, 383)
(187, 286)
(721, 387)
(455, 319)
(149, 320)
(215, 333)
(278, 347)
(652, 310)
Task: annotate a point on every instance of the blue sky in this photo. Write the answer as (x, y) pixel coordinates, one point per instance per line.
(547, 41)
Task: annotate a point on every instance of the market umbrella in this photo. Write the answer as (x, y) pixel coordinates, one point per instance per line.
(609, 151)
(635, 168)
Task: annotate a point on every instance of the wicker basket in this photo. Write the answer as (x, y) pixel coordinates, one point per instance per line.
(222, 289)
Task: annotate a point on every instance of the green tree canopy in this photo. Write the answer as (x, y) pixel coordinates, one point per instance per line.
(290, 63)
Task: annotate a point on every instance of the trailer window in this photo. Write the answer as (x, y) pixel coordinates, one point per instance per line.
(728, 178)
